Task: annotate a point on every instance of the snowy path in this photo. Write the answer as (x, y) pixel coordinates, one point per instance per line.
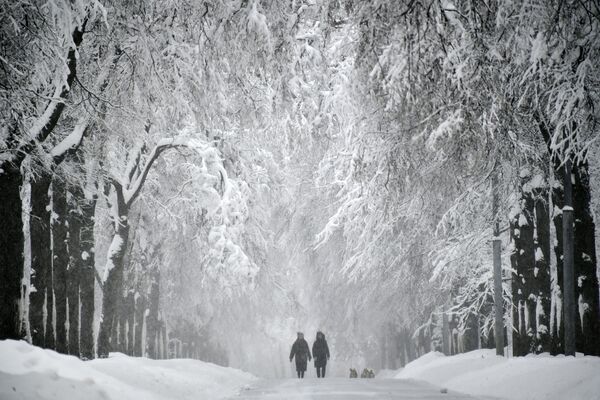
(345, 389)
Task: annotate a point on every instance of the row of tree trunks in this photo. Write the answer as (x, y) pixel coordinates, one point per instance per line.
(587, 320)
(140, 332)
(587, 310)
(12, 240)
(62, 234)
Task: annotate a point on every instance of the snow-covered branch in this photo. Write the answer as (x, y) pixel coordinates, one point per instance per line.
(45, 124)
(74, 139)
(132, 188)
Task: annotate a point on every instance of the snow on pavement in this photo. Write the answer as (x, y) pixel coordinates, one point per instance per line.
(29, 372)
(345, 389)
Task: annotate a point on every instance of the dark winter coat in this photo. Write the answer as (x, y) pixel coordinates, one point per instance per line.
(302, 353)
(320, 350)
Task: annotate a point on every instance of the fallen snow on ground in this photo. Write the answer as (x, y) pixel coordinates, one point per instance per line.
(29, 372)
(534, 377)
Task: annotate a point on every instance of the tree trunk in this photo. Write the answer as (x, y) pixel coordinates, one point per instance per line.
(50, 332)
(140, 309)
(523, 265)
(130, 302)
(568, 265)
(557, 323)
(74, 271)
(60, 260)
(410, 353)
(153, 315)
(383, 350)
(165, 335)
(445, 332)
(123, 326)
(470, 337)
(12, 243)
(586, 291)
(541, 283)
(113, 286)
(497, 272)
(41, 257)
(87, 277)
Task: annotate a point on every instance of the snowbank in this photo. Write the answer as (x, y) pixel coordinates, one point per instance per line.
(29, 372)
(534, 377)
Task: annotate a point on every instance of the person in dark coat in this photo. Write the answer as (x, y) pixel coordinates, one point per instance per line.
(302, 353)
(320, 352)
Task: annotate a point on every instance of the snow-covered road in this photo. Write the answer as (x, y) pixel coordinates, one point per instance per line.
(345, 389)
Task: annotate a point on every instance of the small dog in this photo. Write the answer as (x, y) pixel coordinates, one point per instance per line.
(367, 373)
(353, 373)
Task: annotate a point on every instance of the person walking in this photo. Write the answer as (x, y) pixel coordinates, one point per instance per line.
(302, 353)
(320, 352)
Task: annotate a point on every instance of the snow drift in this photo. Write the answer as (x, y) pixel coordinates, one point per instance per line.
(29, 372)
(534, 377)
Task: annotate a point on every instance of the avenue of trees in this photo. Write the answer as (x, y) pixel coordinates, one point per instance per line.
(171, 172)
(463, 102)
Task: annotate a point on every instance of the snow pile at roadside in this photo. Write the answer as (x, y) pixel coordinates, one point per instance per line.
(534, 377)
(29, 372)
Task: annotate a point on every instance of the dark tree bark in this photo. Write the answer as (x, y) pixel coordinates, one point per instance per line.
(50, 334)
(523, 264)
(165, 340)
(445, 332)
(541, 284)
(557, 345)
(586, 280)
(87, 276)
(140, 309)
(152, 322)
(74, 271)
(470, 338)
(497, 272)
(123, 326)
(113, 286)
(60, 260)
(41, 256)
(568, 265)
(12, 242)
(130, 304)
